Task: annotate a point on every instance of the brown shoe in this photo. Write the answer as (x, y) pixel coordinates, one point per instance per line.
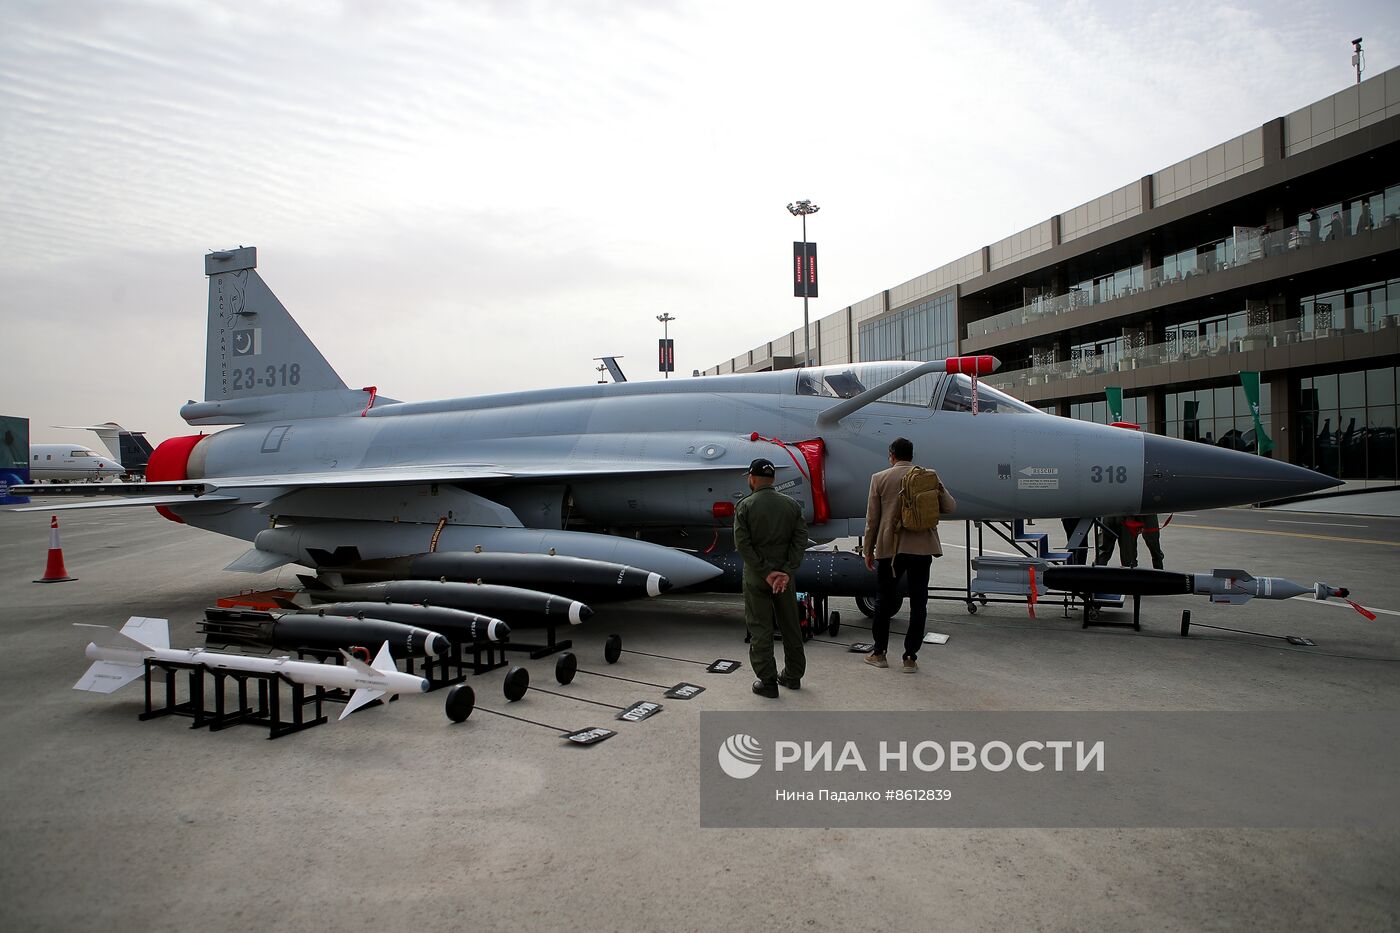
(876, 660)
(911, 666)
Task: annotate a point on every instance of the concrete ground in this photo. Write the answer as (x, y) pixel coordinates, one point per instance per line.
(396, 818)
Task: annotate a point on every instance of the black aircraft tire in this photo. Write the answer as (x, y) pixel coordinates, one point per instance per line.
(833, 625)
(566, 667)
(461, 700)
(612, 649)
(516, 683)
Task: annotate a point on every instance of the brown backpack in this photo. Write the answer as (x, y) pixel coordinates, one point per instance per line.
(918, 500)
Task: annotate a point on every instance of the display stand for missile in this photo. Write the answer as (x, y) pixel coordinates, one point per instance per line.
(268, 710)
(452, 667)
(552, 645)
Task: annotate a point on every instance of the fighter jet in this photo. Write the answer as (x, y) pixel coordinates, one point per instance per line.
(641, 475)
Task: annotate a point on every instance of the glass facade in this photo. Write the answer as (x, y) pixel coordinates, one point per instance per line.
(1345, 424)
(1135, 410)
(927, 331)
(1219, 415)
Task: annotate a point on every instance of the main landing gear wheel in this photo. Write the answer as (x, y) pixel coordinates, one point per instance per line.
(972, 607)
(833, 624)
(612, 649)
(866, 606)
(461, 700)
(566, 667)
(516, 683)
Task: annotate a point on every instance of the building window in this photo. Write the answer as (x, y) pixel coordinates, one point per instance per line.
(1219, 416)
(927, 331)
(1346, 424)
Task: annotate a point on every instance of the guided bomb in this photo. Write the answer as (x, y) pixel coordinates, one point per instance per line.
(521, 606)
(456, 624)
(327, 633)
(575, 577)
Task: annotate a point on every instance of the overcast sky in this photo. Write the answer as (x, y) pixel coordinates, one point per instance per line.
(457, 198)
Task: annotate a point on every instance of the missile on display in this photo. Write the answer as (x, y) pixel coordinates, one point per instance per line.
(456, 624)
(1232, 587)
(520, 606)
(823, 573)
(326, 633)
(575, 577)
(119, 658)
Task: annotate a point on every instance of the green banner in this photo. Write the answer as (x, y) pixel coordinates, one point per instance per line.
(1250, 381)
(1114, 394)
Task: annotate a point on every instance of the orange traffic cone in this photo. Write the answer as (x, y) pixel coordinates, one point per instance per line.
(55, 572)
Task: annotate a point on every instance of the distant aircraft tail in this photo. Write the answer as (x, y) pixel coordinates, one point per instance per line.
(129, 448)
(259, 365)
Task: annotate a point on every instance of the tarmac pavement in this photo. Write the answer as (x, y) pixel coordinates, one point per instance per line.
(398, 818)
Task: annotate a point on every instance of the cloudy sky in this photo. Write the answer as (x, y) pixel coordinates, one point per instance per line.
(467, 196)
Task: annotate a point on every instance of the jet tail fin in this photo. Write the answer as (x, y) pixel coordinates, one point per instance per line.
(259, 365)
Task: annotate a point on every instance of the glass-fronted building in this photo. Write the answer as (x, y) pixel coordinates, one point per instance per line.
(1276, 252)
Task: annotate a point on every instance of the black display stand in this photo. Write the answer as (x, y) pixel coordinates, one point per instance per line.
(268, 710)
(551, 645)
(1093, 614)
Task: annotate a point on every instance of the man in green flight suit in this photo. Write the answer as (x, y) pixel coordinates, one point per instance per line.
(771, 536)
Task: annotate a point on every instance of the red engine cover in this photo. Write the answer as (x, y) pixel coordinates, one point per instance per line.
(170, 462)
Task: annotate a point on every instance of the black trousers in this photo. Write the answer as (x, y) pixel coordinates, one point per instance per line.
(914, 568)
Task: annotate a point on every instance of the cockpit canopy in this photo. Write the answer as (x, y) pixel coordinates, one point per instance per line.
(938, 390)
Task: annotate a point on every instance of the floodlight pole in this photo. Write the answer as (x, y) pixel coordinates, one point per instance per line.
(665, 320)
(802, 209)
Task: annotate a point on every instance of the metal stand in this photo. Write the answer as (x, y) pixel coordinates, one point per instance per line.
(551, 645)
(1092, 615)
(267, 712)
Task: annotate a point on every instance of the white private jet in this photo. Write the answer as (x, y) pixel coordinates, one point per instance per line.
(70, 462)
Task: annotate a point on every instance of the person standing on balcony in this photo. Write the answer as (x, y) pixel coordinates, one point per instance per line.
(1314, 227)
(1364, 221)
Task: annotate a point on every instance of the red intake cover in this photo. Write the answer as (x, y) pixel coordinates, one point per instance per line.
(170, 462)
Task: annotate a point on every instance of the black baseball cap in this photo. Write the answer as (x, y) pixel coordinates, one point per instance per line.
(761, 467)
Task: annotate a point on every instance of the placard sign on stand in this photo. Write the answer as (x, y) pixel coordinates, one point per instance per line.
(684, 691)
(724, 666)
(590, 736)
(861, 647)
(640, 710)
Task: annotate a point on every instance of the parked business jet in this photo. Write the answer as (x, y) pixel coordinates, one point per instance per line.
(70, 462)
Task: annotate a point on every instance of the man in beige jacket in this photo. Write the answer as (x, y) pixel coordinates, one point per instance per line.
(893, 553)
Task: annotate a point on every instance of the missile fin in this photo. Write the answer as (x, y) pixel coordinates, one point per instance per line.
(384, 661)
(1233, 575)
(358, 666)
(359, 698)
(108, 676)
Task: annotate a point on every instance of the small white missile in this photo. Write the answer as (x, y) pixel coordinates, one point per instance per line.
(118, 659)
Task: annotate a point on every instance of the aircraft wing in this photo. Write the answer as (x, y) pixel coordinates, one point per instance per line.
(227, 488)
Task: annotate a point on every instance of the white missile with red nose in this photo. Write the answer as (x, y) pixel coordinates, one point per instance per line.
(119, 658)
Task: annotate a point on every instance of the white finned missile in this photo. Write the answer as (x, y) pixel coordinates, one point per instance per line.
(119, 658)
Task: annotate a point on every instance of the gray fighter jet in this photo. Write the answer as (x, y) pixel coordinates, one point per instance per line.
(637, 475)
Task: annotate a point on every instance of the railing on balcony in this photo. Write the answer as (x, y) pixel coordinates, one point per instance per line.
(1248, 245)
(1355, 320)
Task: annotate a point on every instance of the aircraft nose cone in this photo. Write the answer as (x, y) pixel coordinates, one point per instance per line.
(1183, 474)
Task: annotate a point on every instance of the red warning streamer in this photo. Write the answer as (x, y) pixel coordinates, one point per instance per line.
(814, 453)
